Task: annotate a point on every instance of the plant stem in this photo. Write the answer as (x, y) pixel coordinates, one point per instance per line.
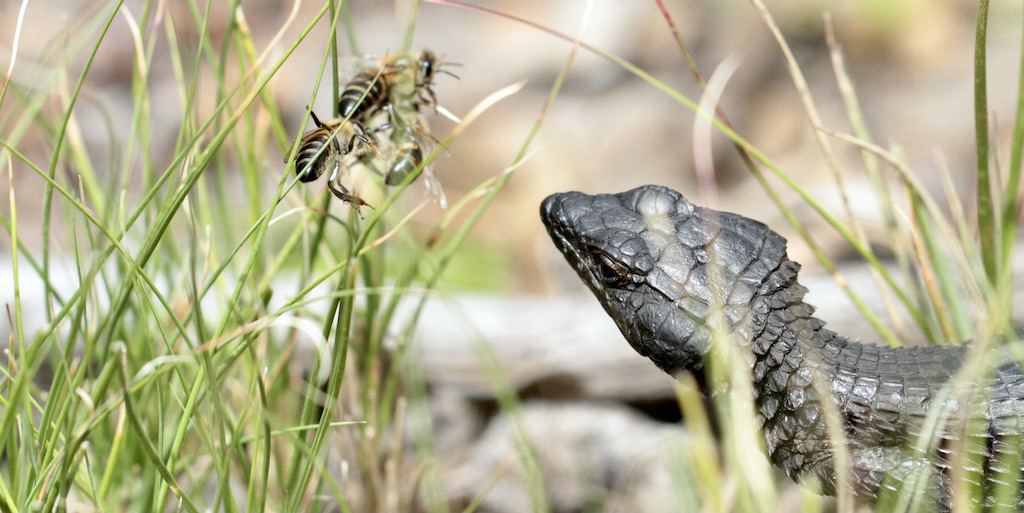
(986, 209)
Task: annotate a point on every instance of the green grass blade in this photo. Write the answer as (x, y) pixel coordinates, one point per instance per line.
(987, 220)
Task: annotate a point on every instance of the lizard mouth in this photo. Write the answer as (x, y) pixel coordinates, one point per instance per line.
(553, 215)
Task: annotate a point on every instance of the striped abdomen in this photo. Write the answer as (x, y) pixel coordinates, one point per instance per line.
(408, 156)
(311, 156)
(363, 96)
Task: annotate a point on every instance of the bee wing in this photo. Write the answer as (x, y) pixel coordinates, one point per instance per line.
(351, 65)
(434, 188)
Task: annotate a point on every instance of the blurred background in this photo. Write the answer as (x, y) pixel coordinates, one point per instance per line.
(607, 131)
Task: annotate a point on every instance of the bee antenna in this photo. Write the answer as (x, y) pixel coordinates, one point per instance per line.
(316, 120)
(449, 73)
(439, 68)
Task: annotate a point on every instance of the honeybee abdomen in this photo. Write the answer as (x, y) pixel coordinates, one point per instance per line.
(308, 154)
(409, 156)
(354, 105)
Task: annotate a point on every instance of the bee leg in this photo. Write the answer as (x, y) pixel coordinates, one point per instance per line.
(340, 192)
(365, 137)
(359, 133)
(428, 96)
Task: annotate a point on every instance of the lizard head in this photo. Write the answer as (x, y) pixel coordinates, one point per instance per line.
(662, 268)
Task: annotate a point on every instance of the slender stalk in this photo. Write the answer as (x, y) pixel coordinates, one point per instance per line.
(987, 221)
(1012, 195)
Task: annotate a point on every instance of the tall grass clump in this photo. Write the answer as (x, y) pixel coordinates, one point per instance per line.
(203, 344)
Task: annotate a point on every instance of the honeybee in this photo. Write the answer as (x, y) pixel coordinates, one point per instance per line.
(402, 82)
(327, 147)
(402, 78)
(408, 144)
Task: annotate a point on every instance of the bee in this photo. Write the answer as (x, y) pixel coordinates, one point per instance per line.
(402, 78)
(408, 145)
(326, 148)
(399, 86)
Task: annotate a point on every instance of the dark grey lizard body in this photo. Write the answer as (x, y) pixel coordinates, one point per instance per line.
(660, 266)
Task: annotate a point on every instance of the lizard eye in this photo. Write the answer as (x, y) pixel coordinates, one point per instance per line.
(613, 271)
